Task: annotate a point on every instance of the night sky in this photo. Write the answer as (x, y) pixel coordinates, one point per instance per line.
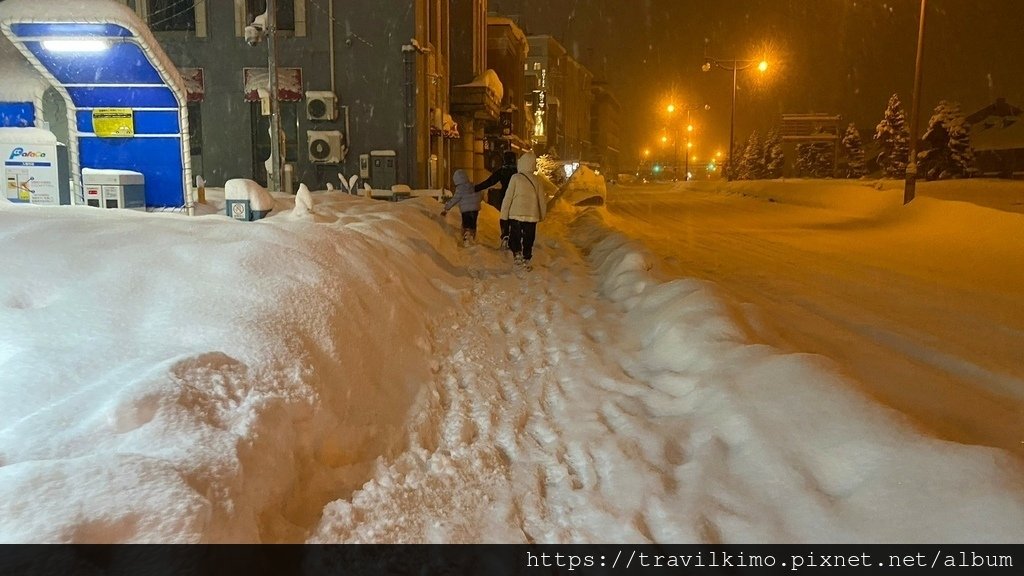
(842, 57)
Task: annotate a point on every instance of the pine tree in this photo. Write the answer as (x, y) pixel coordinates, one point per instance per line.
(823, 157)
(947, 144)
(815, 159)
(733, 167)
(804, 160)
(855, 165)
(752, 164)
(960, 148)
(894, 138)
(774, 158)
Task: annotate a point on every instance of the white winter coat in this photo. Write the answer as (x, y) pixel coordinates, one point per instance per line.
(525, 200)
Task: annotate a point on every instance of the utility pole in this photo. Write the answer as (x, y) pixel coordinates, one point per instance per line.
(910, 185)
(274, 175)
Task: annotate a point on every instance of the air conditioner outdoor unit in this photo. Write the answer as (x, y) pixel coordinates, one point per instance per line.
(326, 146)
(321, 105)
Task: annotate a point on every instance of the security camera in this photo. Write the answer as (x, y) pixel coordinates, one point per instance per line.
(253, 35)
(255, 32)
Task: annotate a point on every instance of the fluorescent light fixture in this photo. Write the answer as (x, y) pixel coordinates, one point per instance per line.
(75, 45)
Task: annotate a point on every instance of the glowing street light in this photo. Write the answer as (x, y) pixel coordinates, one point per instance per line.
(689, 130)
(734, 66)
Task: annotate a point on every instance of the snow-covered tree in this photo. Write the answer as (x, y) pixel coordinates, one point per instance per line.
(855, 165)
(947, 149)
(824, 159)
(734, 161)
(774, 158)
(802, 165)
(752, 163)
(551, 167)
(894, 138)
(815, 159)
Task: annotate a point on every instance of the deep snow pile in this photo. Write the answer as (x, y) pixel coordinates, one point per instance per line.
(167, 379)
(351, 375)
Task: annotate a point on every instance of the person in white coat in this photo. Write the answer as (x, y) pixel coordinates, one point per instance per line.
(524, 206)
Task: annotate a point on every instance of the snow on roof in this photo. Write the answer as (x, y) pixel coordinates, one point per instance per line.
(109, 172)
(489, 78)
(27, 136)
(1006, 134)
(503, 21)
(22, 83)
(93, 11)
(66, 11)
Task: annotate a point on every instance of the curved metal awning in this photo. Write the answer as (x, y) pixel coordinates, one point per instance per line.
(127, 104)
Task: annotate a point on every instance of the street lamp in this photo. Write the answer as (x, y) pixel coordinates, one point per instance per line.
(911, 179)
(734, 66)
(689, 131)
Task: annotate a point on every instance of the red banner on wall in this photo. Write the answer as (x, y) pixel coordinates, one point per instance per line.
(289, 84)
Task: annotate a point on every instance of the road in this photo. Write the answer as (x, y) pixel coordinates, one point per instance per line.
(924, 324)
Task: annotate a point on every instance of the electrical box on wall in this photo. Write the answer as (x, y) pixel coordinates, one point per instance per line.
(321, 105)
(326, 146)
(364, 166)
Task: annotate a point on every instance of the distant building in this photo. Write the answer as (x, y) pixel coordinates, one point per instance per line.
(507, 50)
(561, 100)
(605, 130)
(476, 91)
(997, 136)
(351, 82)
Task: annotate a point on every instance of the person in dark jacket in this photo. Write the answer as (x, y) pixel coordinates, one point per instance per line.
(502, 175)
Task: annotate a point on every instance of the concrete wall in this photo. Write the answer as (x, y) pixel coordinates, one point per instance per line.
(370, 81)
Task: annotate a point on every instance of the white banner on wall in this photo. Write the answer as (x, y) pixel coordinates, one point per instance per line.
(29, 173)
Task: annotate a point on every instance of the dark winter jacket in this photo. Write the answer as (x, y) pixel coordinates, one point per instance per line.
(503, 174)
(465, 196)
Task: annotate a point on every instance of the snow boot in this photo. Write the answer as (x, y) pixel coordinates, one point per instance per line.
(467, 239)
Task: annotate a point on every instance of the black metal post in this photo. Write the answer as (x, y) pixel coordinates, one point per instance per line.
(910, 185)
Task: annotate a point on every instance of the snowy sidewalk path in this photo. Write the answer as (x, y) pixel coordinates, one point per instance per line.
(511, 443)
(581, 403)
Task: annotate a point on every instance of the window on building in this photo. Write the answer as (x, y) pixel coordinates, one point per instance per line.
(536, 65)
(172, 15)
(285, 12)
(168, 15)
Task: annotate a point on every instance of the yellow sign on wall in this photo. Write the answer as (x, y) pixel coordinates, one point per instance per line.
(113, 122)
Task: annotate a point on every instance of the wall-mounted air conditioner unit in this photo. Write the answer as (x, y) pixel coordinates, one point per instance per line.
(326, 146)
(321, 105)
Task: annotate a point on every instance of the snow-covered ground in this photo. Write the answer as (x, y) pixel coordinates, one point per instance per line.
(355, 376)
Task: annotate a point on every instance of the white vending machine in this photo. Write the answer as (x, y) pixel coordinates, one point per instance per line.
(29, 167)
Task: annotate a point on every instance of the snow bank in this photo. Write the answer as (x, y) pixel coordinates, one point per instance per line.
(205, 380)
(585, 188)
(810, 458)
